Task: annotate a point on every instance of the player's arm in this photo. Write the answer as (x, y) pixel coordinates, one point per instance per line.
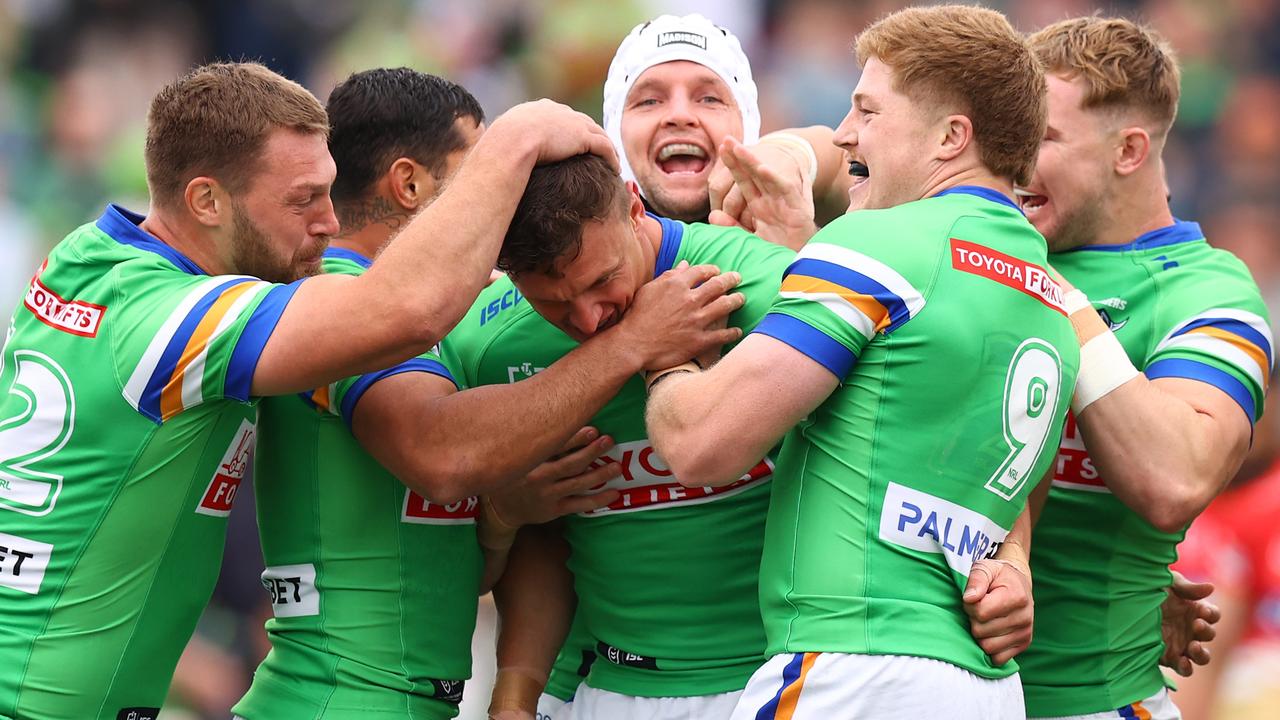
(1165, 447)
(427, 277)
(535, 602)
(451, 445)
(712, 426)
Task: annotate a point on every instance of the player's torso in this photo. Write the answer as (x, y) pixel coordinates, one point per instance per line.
(918, 464)
(112, 525)
(666, 576)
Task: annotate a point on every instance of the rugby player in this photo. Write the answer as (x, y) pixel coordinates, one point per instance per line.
(913, 433)
(367, 509)
(1176, 350)
(130, 376)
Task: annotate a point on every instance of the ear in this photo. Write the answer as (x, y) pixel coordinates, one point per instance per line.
(957, 135)
(1133, 150)
(207, 201)
(411, 184)
(635, 208)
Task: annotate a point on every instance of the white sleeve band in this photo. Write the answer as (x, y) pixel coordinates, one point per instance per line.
(1074, 301)
(799, 143)
(1104, 366)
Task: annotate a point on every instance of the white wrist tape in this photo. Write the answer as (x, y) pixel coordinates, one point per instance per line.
(1104, 366)
(1075, 301)
(795, 141)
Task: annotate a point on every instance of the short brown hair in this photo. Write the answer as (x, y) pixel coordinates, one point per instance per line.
(214, 121)
(1123, 64)
(973, 57)
(560, 198)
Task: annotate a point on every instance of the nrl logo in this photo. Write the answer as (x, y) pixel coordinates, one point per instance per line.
(522, 371)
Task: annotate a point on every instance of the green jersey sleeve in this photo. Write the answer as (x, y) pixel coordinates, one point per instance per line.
(834, 299)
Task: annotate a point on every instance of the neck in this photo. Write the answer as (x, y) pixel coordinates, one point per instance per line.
(978, 176)
(190, 239)
(1134, 211)
(367, 225)
(650, 243)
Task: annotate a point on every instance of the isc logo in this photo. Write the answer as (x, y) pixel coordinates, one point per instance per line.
(222, 489)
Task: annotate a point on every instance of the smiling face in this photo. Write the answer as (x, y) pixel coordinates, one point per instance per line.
(889, 133)
(1067, 197)
(283, 220)
(673, 120)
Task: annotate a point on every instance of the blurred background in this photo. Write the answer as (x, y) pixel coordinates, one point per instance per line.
(76, 77)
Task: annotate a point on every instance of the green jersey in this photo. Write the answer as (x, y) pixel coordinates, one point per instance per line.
(1180, 309)
(373, 587)
(956, 364)
(666, 575)
(572, 663)
(125, 429)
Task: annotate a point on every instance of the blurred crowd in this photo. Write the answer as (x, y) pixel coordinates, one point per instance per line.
(76, 77)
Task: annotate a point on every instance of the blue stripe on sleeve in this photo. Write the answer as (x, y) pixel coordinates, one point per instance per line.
(1193, 370)
(361, 386)
(244, 359)
(1234, 327)
(857, 282)
(820, 347)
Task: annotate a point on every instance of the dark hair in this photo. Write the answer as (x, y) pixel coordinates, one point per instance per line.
(376, 116)
(559, 199)
(215, 120)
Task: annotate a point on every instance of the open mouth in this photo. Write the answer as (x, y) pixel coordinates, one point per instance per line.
(858, 169)
(1030, 202)
(681, 158)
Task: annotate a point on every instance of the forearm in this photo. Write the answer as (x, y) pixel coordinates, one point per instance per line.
(831, 179)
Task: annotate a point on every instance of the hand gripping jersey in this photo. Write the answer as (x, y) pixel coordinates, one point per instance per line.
(373, 587)
(666, 576)
(956, 363)
(1180, 309)
(125, 428)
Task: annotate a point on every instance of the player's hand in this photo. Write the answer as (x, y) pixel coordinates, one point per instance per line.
(557, 131)
(681, 315)
(998, 602)
(771, 195)
(1186, 624)
(562, 485)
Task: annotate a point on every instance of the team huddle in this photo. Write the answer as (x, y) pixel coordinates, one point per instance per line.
(929, 459)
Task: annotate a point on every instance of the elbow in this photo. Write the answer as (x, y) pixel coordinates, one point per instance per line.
(439, 481)
(695, 464)
(1173, 509)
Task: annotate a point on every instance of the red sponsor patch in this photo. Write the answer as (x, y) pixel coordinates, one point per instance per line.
(418, 509)
(73, 316)
(1074, 468)
(221, 493)
(1009, 271)
(647, 483)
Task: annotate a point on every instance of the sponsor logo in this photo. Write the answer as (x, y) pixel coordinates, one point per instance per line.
(292, 589)
(138, 713)
(23, 562)
(222, 489)
(1114, 303)
(626, 659)
(683, 37)
(509, 299)
(418, 509)
(1106, 318)
(1009, 271)
(1074, 469)
(924, 522)
(647, 483)
(516, 373)
(73, 316)
(449, 691)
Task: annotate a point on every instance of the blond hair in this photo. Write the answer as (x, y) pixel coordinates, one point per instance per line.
(214, 121)
(1122, 64)
(974, 58)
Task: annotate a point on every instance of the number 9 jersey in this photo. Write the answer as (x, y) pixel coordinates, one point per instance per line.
(957, 364)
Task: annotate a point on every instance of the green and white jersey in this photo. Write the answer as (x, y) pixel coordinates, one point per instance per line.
(573, 663)
(373, 587)
(1180, 309)
(666, 575)
(125, 428)
(956, 364)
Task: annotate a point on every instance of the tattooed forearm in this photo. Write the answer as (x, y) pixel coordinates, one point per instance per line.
(356, 216)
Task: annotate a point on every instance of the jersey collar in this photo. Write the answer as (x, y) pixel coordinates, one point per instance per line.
(124, 227)
(985, 193)
(337, 253)
(672, 235)
(1179, 232)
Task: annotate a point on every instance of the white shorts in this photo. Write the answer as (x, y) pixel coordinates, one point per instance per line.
(1157, 707)
(836, 686)
(594, 704)
(551, 707)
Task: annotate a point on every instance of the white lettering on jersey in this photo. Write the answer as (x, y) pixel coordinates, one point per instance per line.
(72, 316)
(1075, 469)
(646, 483)
(222, 489)
(23, 562)
(924, 522)
(418, 509)
(292, 589)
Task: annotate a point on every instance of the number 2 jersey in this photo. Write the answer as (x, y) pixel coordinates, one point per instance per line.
(125, 429)
(1181, 309)
(373, 588)
(665, 576)
(956, 364)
